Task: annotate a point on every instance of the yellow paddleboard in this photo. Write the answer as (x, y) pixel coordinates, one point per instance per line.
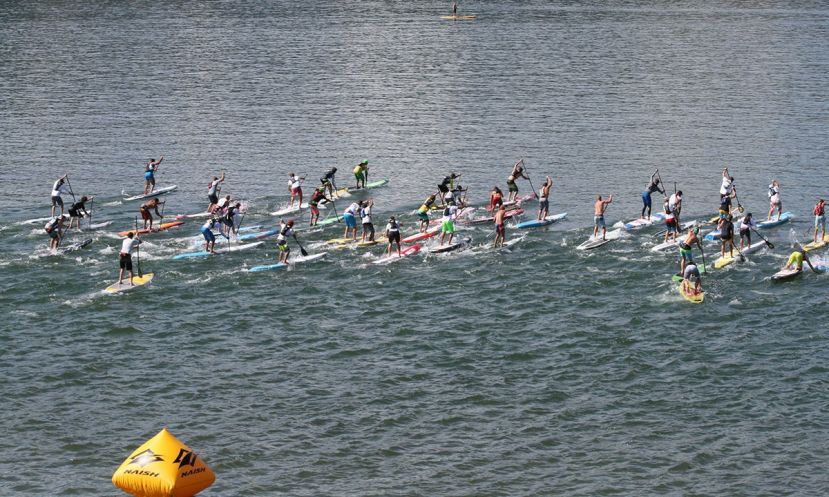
(457, 18)
(339, 241)
(819, 245)
(691, 296)
(136, 282)
(722, 262)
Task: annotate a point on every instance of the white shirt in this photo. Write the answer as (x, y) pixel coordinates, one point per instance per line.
(58, 189)
(352, 209)
(365, 215)
(726, 186)
(213, 189)
(128, 245)
(392, 227)
(294, 182)
(673, 201)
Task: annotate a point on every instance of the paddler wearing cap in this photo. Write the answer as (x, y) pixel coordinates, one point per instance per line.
(393, 234)
(286, 230)
(685, 253)
(796, 260)
(361, 173)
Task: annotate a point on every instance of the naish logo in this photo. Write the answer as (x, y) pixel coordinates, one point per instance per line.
(185, 458)
(147, 457)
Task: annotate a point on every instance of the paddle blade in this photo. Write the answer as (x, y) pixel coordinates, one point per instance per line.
(303, 251)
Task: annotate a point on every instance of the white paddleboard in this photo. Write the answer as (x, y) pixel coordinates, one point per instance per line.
(157, 192)
(596, 242)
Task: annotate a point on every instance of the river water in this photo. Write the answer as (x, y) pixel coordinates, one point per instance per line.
(537, 370)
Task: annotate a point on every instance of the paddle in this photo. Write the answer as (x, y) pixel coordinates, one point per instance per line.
(528, 177)
(71, 191)
(301, 248)
(702, 251)
(137, 253)
(768, 243)
(161, 215)
(334, 208)
(739, 207)
(91, 210)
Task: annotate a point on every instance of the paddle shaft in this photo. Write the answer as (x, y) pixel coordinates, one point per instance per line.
(768, 243)
(301, 248)
(137, 251)
(528, 177)
(71, 191)
(91, 210)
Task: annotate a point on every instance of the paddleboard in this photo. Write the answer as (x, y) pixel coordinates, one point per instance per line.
(368, 243)
(690, 294)
(596, 242)
(670, 244)
(642, 222)
(259, 236)
(307, 258)
(507, 215)
(403, 253)
(816, 245)
(678, 276)
(268, 267)
(544, 222)
(284, 211)
(157, 192)
(458, 18)
(96, 226)
(724, 261)
(784, 218)
(785, 274)
(422, 236)
(291, 261)
(36, 220)
(330, 220)
(369, 186)
(506, 244)
(754, 247)
(125, 286)
(340, 241)
(442, 249)
(75, 246)
(220, 250)
(160, 227)
(193, 216)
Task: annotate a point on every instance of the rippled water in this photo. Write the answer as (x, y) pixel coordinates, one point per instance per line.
(538, 370)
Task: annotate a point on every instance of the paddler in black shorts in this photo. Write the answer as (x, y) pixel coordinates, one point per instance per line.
(393, 234)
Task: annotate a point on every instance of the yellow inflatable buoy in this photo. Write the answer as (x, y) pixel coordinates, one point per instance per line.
(163, 467)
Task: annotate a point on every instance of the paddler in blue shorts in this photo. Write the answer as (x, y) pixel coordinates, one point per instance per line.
(282, 241)
(423, 212)
(599, 207)
(448, 222)
(685, 252)
(207, 232)
(149, 174)
(653, 186)
(350, 218)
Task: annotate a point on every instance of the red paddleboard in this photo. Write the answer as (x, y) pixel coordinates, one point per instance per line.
(403, 253)
(422, 236)
(143, 231)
